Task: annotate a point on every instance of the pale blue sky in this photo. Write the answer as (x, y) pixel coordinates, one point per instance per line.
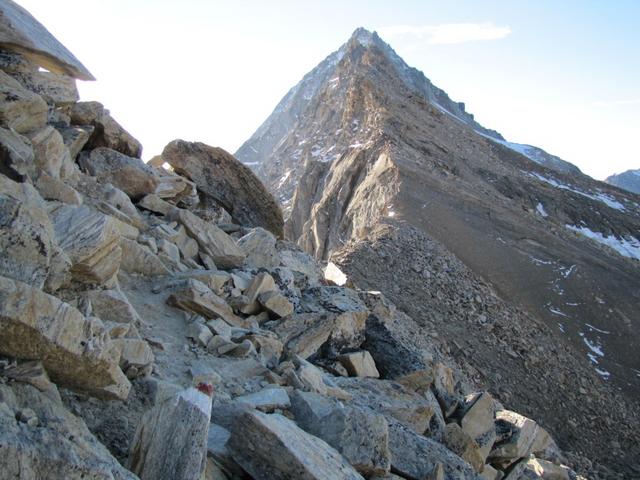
(564, 76)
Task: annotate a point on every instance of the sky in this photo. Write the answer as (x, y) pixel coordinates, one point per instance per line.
(563, 76)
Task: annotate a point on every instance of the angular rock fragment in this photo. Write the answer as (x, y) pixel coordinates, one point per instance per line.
(75, 350)
(16, 156)
(267, 399)
(276, 303)
(20, 109)
(463, 445)
(53, 189)
(197, 298)
(213, 241)
(390, 399)
(272, 446)
(131, 175)
(259, 246)
(261, 283)
(415, 456)
(91, 240)
(155, 204)
(27, 238)
(139, 259)
(113, 306)
(59, 446)
(106, 131)
(359, 364)
(75, 138)
(518, 437)
(477, 421)
(49, 149)
(21, 33)
(171, 440)
(361, 436)
(230, 183)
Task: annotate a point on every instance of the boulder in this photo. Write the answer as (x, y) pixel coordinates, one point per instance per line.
(27, 238)
(267, 399)
(444, 388)
(91, 240)
(212, 241)
(276, 303)
(175, 187)
(477, 421)
(261, 283)
(16, 156)
(196, 297)
(390, 399)
(359, 364)
(361, 436)
(233, 185)
(20, 109)
(394, 357)
(416, 457)
(20, 32)
(54, 189)
(536, 468)
(137, 258)
(272, 446)
(112, 306)
(106, 131)
(49, 149)
(218, 452)
(75, 350)
(461, 443)
(155, 204)
(518, 436)
(75, 138)
(53, 443)
(171, 439)
(131, 175)
(259, 246)
(134, 352)
(55, 89)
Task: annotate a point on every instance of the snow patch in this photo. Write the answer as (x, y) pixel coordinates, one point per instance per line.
(541, 211)
(599, 197)
(626, 247)
(556, 311)
(593, 346)
(603, 373)
(595, 329)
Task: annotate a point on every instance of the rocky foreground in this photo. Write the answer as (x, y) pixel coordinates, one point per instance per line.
(154, 325)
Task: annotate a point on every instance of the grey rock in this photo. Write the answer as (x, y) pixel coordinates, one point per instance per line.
(272, 446)
(259, 245)
(16, 156)
(361, 436)
(140, 259)
(20, 109)
(267, 399)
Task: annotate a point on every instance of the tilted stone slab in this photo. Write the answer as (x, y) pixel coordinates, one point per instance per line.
(20, 32)
(198, 298)
(75, 350)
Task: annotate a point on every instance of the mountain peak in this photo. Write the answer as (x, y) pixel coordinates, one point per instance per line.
(364, 36)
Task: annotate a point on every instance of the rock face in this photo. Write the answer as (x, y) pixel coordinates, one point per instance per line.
(21, 110)
(383, 174)
(629, 180)
(220, 176)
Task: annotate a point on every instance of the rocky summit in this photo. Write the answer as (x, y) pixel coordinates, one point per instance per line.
(156, 323)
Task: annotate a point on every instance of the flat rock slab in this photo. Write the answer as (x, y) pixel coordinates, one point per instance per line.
(75, 350)
(20, 32)
(230, 183)
(272, 446)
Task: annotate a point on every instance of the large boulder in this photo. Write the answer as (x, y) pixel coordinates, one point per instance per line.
(91, 240)
(198, 298)
(76, 351)
(131, 175)
(106, 131)
(20, 109)
(27, 238)
(272, 446)
(48, 441)
(219, 175)
(392, 400)
(21, 33)
(414, 456)
(360, 435)
(518, 437)
(51, 154)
